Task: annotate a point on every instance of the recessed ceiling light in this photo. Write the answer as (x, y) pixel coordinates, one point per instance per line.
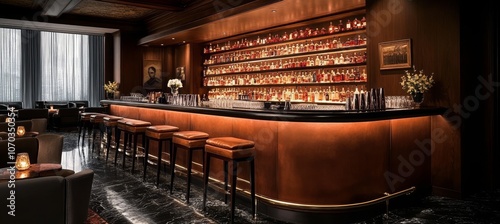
(274, 10)
(173, 38)
(161, 44)
(183, 41)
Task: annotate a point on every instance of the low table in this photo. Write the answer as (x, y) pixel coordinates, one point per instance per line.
(35, 170)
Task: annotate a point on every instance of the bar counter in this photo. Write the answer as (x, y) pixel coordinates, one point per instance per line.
(311, 163)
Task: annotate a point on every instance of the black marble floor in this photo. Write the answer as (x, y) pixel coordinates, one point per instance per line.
(121, 197)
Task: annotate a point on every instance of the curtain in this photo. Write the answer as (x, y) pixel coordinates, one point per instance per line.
(96, 63)
(65, 67)
(10, 65)
(31, 67)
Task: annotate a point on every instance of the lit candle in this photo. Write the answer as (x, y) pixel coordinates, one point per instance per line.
(51, 107)
(7, 120)
(22, 161)
(21, 131)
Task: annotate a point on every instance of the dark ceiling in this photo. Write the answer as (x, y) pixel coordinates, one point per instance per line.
(173, 21)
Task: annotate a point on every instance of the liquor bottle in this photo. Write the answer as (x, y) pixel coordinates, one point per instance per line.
(348, 25)
(331, 28)
(341, 26)
(363, 22)
(356, 24)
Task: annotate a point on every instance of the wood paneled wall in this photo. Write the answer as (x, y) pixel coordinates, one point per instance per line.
(460, 56)
(435, 49)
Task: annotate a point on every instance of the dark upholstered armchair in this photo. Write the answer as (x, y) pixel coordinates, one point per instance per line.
(66, 118)
(50, 199)
(28, 114)
(50, 148)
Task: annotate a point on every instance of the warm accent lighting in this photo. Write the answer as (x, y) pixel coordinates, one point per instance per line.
(7, 120)
(21, 131)
(22, 161)
(51, 107)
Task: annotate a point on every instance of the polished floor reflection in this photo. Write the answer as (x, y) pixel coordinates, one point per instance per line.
(121, 197)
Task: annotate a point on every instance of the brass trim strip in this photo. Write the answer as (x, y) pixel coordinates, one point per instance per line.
(341, 206)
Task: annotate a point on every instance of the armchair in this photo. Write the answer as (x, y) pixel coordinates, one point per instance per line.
(66, 118)
(50, 148)
(50, 199)
(29, 145)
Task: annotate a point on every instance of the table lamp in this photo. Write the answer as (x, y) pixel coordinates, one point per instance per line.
(22, 161)
(21, 131)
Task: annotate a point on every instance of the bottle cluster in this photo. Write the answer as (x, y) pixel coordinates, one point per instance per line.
(323, 94)
(288, 49)
(308, 32)
(306, 61)
(354, 74)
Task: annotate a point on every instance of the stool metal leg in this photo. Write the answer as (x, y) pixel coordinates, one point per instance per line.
(172, 174)
(109, 131)
(125, 144)
(117, 142)
(233, 188)
(252, 185)
(158, 163)
(225, 181)
(146, 155)
(134, 152)
(206, 171)
(190, 165)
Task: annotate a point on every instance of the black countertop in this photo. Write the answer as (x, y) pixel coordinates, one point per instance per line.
(292, 115)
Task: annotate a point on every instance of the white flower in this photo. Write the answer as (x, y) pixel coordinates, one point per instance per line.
(414, 82)
(174, 83)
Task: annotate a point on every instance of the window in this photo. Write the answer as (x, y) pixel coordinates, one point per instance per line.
(10, 65)
(64, 66)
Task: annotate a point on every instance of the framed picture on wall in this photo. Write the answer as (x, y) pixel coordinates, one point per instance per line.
(152, 74)
(395, 54)
(180, 73)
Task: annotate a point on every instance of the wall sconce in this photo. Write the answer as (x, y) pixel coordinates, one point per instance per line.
(22, 161)
(21, 131)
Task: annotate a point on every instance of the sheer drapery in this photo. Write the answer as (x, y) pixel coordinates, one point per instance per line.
(30, 71)
(10, 64)
(65, 66)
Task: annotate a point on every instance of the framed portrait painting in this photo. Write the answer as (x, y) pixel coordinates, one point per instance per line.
(152, 74)
(395, 54)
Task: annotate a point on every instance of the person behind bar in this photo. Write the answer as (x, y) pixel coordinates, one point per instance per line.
(153, 82)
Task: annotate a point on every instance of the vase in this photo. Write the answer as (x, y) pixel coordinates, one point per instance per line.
(418, 98)
(175, 91)
(110, 95)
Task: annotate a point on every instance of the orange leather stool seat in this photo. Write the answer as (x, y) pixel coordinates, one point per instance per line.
(132, 129)
(158, 133)
(191, 141)
(230, 150)
(110, 122)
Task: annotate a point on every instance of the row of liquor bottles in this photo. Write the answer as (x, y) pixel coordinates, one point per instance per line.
(323, 94)
(353, 74)
(347, 25)
(288, 49)
(302, 62)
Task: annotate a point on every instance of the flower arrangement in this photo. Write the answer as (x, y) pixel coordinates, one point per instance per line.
(111, 87)
(414, 82)
(174, 83)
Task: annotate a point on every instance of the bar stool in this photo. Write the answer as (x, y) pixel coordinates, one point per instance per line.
(121, 126)
(84, 123)
(158, 133)
(110, 122)
(234, 150)
(133, 129)
(96, 120)
(189, 140)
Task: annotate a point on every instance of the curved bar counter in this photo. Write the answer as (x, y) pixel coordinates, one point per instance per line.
(311, 163)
